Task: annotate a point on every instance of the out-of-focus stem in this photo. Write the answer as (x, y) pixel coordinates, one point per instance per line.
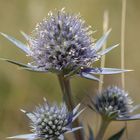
(103, 127)
(123, 41)
(105, 28)
(67, 95)
(123, 49)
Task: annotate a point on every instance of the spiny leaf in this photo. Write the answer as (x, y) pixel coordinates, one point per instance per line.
(32, 69)
(108, 50)
(129, 118)
(15, 62)
(101, 41)
(24, 66)
(89, 76)
(105, 70)
(18, 43)
(24, 136)
(31, 116)
(118, 135)
(27, 37)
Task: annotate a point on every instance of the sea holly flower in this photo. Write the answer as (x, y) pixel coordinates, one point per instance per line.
(114, 103)
(63, 43)
(50, 122)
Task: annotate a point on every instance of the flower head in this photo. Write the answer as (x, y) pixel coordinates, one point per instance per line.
(114, 103)
(63, 43)
(50, 122)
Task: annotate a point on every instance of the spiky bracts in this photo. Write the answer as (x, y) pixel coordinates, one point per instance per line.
(50, 122)
(62, 43)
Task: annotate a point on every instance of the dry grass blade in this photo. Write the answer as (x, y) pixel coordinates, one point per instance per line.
(123, 50)
(105, 29)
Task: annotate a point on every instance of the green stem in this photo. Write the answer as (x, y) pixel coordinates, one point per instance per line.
(67, 95)
(103, 127)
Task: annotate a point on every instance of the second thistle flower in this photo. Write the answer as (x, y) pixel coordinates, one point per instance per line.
(114, 103)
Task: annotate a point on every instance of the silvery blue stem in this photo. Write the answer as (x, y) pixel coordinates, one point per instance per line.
(67, 96)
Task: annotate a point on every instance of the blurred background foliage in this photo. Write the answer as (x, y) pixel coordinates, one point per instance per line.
(22, 89)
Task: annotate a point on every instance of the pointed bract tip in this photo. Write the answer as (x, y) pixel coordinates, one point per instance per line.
(21, 32)
(76, 108)
(24, 136)
(22, 110)
(10, 137)
(79, 105)
(3, 59)
(116, 45)
(130, 70)
(3, 34)
(44, 99)
(109, 30)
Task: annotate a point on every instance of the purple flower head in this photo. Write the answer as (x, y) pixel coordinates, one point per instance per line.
(63, 43)
(114, 103)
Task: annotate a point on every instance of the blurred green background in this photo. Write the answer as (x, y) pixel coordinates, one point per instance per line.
(22, 89)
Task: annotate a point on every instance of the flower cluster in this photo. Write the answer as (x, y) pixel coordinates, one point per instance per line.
(63, 44)
(114, 103)
(50, 122)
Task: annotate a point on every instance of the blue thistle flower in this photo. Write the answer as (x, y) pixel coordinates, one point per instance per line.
(50, 122)
(114, 104)
(63, 43)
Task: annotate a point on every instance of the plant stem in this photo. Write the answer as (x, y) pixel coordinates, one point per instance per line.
(103, 127)
(123, 21)
(105, 29)
(67, 95)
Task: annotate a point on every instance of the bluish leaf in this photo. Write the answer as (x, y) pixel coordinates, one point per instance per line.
(33, 69)
(15, 62)
(75, 110)
(108, 50)
(91, 134)
(76, 116)
(129, 118)
(31, 116)
(24, 136)
(73, 129)
(104, 70)
(18, 43)
(118, 135)
(101, 41)
(89, 76)
(24, 66)
(27, 37)
(135, 108)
